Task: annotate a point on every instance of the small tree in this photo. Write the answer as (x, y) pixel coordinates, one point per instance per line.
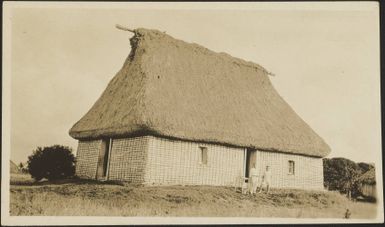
(342, 174)
(54, 162)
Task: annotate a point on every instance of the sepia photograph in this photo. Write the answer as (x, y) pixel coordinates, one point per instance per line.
(191, 113)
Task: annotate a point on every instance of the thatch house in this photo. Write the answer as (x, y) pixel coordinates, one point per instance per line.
(178, 113)
(368, 183)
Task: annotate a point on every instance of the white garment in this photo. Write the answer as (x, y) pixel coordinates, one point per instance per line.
(267, 176)
(253, 180)
(253, 172)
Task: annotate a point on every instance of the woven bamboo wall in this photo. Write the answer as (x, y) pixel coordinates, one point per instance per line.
(153, 160)
(87, 158)
(173, 162)
(308, 170)
(128, 159)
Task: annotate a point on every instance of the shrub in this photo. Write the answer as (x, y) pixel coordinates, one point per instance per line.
(54, 162)
(342, 174)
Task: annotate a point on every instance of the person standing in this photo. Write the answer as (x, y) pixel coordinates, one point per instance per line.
(253, 178)
(266, 179)
(347, 214)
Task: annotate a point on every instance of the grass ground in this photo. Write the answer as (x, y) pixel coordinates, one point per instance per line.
(91, 198)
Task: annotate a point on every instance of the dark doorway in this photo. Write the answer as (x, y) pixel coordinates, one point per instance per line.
(250, 160)
(103, 159)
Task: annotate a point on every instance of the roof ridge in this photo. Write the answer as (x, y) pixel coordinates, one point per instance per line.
(141, 32)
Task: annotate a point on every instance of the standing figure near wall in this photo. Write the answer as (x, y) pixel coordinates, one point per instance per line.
(253, 178)
(266, 179)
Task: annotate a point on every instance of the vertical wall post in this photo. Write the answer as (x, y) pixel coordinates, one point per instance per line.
(97, 161)
(109, 159)
(244, 161)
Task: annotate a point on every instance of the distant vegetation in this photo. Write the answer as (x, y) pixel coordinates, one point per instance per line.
(341, 174)
(53, 163)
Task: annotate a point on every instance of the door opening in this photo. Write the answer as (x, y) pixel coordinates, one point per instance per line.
(103, 159)
(250, 160)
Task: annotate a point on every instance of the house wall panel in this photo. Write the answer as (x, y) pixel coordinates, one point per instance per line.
(308, 170)
(158, 161)
(172, 162)
(87, 158)
(128, 159)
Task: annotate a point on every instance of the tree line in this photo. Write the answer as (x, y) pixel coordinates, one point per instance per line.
(341, 174)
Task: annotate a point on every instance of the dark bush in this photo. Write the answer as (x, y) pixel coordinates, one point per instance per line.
(54, 162)
(342, 174)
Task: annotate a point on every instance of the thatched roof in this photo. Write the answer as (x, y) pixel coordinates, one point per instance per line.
(369, 177)
(13, 167)
(171, 88)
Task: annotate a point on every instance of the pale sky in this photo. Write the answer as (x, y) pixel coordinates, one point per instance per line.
(326, 64)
